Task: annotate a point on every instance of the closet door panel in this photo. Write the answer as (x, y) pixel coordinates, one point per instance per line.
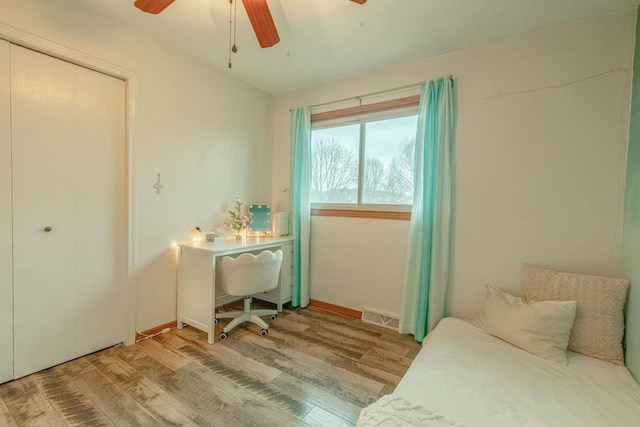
(6, 267)
(44, 195)
(101, 204)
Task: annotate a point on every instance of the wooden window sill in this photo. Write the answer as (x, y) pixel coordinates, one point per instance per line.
(356, 213)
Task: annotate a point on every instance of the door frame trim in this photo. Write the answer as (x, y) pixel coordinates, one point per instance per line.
(38, 44)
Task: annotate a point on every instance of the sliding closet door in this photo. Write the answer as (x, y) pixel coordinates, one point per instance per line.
(67, 192)
(6, 276)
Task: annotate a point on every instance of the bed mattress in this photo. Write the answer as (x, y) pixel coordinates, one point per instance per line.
(476, 379)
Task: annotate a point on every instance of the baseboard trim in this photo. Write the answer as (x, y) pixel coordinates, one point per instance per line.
(144, 334)
(314, 303)
(172, 325)
(336, 308)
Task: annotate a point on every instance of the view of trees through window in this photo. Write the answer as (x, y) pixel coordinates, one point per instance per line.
(387, 166)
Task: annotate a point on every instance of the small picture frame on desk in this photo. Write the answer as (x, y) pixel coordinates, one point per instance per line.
(261, 220)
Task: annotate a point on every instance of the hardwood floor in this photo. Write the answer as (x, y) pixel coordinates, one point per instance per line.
(315, 368)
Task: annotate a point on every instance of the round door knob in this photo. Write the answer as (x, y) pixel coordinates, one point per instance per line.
(47, 229)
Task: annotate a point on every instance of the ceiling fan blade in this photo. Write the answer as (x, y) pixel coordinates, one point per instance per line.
(262, 22)
(152, 6)
(359, 1)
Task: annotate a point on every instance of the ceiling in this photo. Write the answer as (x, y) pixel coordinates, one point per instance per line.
(325, 40)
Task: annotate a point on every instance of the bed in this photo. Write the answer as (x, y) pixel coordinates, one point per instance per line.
(464, 376)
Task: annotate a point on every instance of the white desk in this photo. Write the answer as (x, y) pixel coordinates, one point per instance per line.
(197, 297)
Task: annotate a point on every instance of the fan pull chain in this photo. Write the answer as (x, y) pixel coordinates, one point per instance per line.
(234, 49)
(230, 26)
(233, 14)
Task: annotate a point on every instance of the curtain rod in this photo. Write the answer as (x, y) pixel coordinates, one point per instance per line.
(359, 97)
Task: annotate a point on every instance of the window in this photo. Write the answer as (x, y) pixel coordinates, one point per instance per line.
(364, 163)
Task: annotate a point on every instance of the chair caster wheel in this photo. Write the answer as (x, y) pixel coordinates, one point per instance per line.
(273, 317)
(215, 321)
(264, 332)
(223, 336)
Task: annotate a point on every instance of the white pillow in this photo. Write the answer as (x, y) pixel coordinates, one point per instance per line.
(541, 328)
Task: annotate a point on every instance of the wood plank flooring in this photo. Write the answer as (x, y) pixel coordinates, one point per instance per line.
(315, 368)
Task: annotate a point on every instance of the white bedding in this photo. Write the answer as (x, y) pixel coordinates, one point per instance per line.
(476, 379)
(396, 411)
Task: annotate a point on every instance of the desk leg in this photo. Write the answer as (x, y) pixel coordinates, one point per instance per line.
(179, 284)
(212, 308)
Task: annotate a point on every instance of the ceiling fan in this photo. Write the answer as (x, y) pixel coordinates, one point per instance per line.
(257, 10)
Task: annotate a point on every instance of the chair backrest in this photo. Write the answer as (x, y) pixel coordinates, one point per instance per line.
(248, 274)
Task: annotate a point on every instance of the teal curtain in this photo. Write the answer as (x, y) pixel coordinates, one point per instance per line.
(428, 260)
(300, 205)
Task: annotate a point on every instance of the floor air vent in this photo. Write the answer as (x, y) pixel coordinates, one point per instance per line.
(377, 317)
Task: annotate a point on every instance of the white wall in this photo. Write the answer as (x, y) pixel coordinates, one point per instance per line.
(205, 132)
(541, 143)
(357, 263)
